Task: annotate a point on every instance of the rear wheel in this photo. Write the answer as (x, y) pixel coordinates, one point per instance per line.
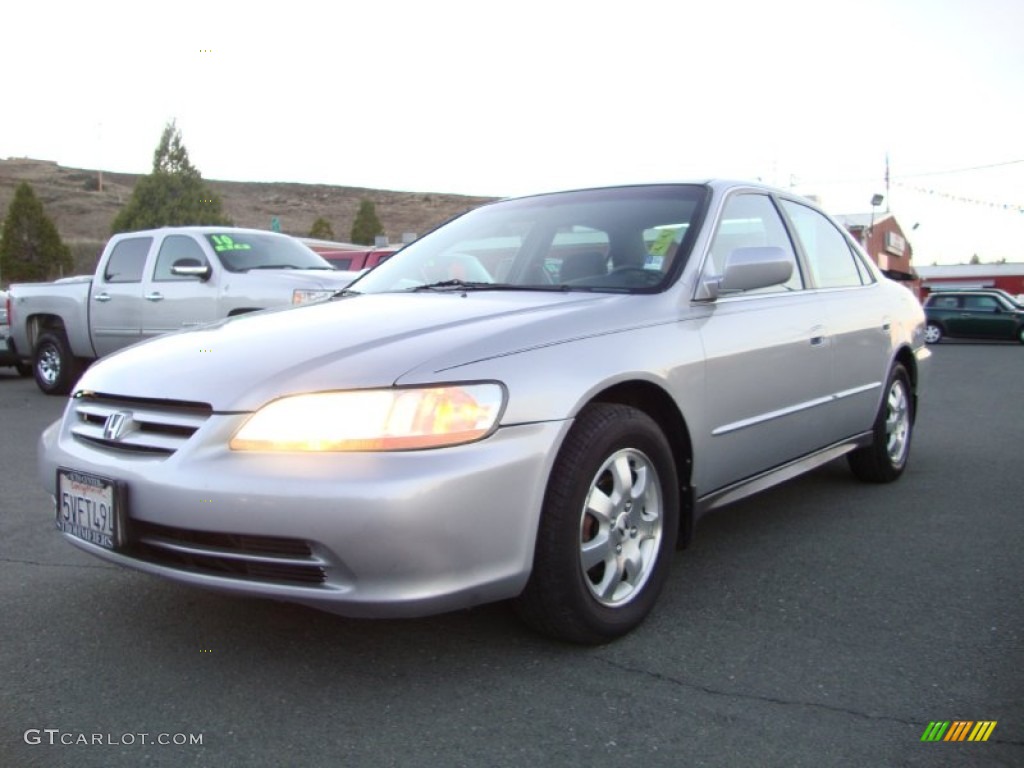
(885, 459)
(55, 368)
(24, 369)
(607, 530)
(1020, 334)
(933, 333)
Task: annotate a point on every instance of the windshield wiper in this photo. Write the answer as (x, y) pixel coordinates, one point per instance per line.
(470, 285)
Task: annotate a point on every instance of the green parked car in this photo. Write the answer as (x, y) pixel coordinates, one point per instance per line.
(978, 314)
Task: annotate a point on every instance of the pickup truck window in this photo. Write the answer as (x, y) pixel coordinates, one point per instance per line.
(127, 261)
(173, 249)
(240, 252)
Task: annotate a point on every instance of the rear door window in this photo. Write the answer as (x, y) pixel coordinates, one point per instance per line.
(830, 257)
(944, 302)
(127, 261)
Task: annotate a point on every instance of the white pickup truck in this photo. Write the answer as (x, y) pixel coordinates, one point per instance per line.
(156, 281)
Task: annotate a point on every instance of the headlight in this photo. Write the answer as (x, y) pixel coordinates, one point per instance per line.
(374, 419)
(306, 295)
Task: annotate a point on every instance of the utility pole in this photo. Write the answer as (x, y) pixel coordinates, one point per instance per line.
(887, 182)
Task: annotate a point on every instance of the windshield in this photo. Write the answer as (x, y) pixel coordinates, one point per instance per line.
(242, 251)
(620, 239)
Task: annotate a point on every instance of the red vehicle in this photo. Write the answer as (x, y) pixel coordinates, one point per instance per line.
(349, 257)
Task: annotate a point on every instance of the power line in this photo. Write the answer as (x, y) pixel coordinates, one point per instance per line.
(956, 170)
(962, 198)
(897, 176)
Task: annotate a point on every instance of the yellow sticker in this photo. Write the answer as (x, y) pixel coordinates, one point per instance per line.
(663, 241)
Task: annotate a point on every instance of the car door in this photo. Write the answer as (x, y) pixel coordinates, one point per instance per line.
(115, 302)
(858, 320)
(767, 357)
(982, 317)
(173, 302)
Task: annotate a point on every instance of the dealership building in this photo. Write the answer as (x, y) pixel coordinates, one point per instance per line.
(1008, 277)
(882, 238)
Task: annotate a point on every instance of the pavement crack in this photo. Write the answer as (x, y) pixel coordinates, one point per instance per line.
(760, 697)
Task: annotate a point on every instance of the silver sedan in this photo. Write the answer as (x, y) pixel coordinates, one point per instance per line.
(536, 401)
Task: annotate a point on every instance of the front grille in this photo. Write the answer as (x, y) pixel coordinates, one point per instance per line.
(274, 559)
(153, 427)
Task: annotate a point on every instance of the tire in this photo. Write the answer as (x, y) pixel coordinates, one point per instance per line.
(933, 333)
(885, 459)
(1020, 334)
(56, 369)
(24, 369)
(607, 530)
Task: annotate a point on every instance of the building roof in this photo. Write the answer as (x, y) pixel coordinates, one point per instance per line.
(968, 271)
(861, 220)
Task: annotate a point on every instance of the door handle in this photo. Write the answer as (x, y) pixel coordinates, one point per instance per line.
(153, 296)
(101, 297)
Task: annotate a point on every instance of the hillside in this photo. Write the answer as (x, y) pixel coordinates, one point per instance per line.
(83, 214)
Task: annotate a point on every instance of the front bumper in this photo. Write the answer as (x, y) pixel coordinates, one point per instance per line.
(358, 534)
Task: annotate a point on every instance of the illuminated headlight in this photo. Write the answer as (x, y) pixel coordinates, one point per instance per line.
(374, 419)
(306, 295)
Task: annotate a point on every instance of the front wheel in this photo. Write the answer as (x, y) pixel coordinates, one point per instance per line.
(56, 368)
(885, 459)
(607, 530)
(1020, 334)
(932, 333)
(24, 369)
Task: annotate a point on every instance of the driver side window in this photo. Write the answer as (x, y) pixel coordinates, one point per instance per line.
(177, 248)
(751, 220)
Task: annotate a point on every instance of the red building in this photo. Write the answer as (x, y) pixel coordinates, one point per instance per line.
(882, 238)
(1008, 277)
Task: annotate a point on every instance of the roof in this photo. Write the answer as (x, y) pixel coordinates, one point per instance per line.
(956, 271)
(861, 220)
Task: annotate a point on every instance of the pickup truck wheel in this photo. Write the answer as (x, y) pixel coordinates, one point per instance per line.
(607, 530)
(56, 368)
(23, 369)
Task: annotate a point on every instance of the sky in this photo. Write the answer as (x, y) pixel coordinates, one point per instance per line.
(499, 99)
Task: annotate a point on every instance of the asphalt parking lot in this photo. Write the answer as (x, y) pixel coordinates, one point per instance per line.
(823, 623)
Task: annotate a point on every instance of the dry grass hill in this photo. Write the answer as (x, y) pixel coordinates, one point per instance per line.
(83, 214)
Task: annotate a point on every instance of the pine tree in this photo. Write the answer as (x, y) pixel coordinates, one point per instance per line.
(322, 229)
(366, 226)
(31, 248)
(173, 194)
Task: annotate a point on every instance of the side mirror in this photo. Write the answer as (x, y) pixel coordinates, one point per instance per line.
(747, 269)
(190, 267)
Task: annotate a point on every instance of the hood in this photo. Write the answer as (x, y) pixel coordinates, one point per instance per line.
(307, 278)
(354, 342)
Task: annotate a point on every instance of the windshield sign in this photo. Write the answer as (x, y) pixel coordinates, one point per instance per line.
(242, 251)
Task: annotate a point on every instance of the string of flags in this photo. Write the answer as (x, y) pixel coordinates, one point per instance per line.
(961, 199)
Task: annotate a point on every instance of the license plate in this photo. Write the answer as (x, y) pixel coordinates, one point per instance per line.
(88, 508)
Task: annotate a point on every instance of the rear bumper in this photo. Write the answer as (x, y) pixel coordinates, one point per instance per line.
(8, 351)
